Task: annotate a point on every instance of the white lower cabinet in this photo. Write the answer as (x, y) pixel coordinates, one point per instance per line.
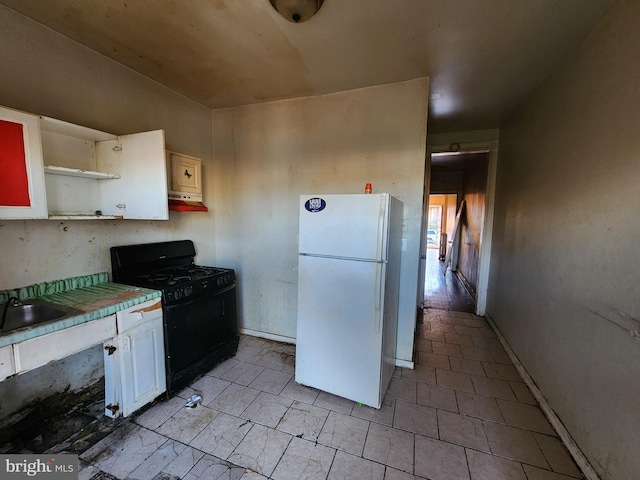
(39, 351)
(7, 367)
(134, 360)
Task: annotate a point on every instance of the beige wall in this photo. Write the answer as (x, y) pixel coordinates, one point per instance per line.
(267, 155)
(46, 73)
(450, 216)
(565, 263)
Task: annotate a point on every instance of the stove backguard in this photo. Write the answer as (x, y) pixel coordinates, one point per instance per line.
(128, 261)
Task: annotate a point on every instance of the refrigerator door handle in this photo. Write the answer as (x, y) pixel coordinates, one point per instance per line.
(382, 229)
(378, 313)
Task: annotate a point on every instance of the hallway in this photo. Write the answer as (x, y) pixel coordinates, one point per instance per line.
(444, 292)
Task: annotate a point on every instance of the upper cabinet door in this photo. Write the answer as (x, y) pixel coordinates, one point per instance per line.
(141, 191)
(22, 187)
(186, 181)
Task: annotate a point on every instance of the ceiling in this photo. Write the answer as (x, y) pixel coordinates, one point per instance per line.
(483, 57)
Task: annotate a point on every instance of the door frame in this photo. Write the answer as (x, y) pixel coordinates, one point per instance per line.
(422, 258)
(484, 261)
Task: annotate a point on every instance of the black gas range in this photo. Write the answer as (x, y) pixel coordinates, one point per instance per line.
(199, 304)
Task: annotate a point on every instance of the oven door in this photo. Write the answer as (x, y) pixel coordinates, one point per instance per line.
(197, 327)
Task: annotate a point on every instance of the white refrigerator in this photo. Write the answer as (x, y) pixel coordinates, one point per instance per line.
(348, 282)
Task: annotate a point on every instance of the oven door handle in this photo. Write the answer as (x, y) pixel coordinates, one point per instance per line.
(225, 290)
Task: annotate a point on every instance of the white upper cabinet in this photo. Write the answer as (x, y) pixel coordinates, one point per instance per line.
(92, 174)
(22, 193)
(89, 174)
(142, 157)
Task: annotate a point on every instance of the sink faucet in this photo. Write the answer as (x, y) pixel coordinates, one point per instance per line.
(12, 301)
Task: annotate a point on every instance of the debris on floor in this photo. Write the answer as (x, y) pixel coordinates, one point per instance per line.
(67, 422)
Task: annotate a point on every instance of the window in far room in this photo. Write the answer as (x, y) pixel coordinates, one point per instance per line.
(434, 223)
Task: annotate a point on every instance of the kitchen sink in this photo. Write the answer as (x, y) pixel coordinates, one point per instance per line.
(33, 312)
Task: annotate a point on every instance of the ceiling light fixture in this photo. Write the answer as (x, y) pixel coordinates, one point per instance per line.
(297, 11)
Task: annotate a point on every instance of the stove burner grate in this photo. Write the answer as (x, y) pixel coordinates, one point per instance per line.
(155, 278)
(179, 279)
(182, 275)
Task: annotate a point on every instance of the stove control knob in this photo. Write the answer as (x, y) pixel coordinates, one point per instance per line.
(177, 294)
(188, 290)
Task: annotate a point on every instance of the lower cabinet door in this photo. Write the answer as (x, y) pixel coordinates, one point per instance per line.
(137, 369)
(7, 367)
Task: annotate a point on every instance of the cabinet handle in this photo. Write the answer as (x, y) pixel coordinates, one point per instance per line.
(110, 349)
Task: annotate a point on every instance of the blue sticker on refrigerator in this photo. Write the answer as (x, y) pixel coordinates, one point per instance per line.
(315, 205)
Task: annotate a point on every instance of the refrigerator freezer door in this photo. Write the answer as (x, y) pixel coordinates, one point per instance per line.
(339, 337)
(348, 226)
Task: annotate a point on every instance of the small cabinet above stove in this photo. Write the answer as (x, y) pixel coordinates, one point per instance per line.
(184, 175)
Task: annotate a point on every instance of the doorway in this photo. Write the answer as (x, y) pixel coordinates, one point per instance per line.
(456, 263)
(443, 289)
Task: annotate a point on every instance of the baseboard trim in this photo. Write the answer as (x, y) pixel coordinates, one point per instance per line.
(404, 363)
(291, 340)
(582, 461)
(268, 336)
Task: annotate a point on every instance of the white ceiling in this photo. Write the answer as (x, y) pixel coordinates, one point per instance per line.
(483, 56)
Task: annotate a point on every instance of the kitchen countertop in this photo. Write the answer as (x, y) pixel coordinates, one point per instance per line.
(94, 295)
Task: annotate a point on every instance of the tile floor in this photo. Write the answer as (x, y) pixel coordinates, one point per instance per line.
(462, 413)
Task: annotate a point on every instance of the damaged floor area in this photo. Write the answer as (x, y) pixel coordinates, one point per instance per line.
(462, 413)
(69, 422)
